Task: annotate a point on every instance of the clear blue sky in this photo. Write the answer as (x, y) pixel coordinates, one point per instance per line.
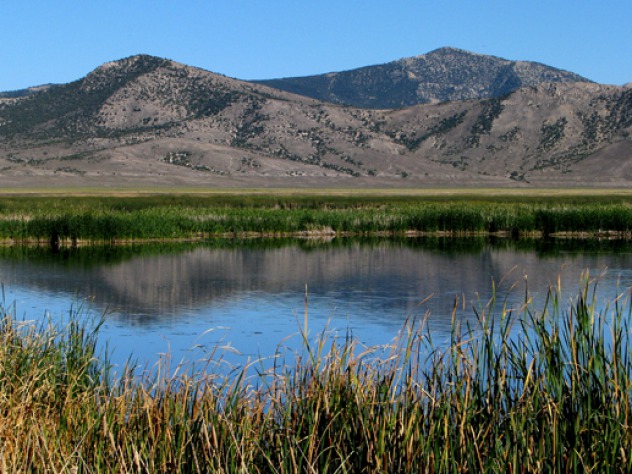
(44, 41)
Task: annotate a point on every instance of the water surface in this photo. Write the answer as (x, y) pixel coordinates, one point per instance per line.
(187, 299)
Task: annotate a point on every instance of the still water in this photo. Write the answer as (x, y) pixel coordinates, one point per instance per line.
(185, 300)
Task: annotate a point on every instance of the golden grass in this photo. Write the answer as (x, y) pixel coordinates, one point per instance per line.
(557, 397)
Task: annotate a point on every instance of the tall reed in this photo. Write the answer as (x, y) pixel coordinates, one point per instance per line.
(172, 217)
(515, 390)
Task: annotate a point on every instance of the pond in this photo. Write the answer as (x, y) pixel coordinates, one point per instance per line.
(186, 300)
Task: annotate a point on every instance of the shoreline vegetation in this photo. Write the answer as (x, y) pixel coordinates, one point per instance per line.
(75, 220)
(527, 389)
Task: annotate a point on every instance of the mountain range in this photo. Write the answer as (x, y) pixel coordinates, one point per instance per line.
(449, 117)
(443, 75)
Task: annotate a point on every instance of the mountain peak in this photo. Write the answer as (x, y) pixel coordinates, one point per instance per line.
(441, 52)
(136, 64)
(114, 74)
(442, 75)
(451, 50)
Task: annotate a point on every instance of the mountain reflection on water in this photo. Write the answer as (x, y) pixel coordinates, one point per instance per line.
(367, 285)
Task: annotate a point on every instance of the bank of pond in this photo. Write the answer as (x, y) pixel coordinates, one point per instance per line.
(542, 386)
(71, 220)
(555, 397)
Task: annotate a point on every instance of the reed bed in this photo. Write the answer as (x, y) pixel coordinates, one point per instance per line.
(107, 219)
(522, 390)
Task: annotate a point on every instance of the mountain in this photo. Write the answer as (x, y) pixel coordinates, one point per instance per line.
(445, 74)
(24, 92)
(148, 121)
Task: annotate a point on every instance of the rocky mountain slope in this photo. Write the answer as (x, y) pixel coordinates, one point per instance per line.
(443, 75)
(147, 121)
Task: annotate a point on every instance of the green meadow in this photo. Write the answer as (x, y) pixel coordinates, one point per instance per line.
(144, 216)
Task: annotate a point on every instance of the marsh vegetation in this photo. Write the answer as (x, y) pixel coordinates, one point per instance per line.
(538, 387)
(556, 397)
(111, 218)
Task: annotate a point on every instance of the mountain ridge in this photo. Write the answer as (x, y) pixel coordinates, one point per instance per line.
(442, 75)
(145, 120)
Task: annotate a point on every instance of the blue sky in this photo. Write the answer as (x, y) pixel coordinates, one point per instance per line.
(44, 41)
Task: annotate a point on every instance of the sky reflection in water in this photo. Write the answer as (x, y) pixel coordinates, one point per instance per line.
(185, 299)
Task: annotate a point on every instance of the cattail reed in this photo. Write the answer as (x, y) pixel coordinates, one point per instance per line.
(524, 389)
(108, 219)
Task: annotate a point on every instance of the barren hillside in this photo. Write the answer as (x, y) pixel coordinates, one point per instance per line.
(146, 121)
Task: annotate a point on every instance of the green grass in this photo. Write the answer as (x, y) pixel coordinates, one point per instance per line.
(526, 390)
(116, 218)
